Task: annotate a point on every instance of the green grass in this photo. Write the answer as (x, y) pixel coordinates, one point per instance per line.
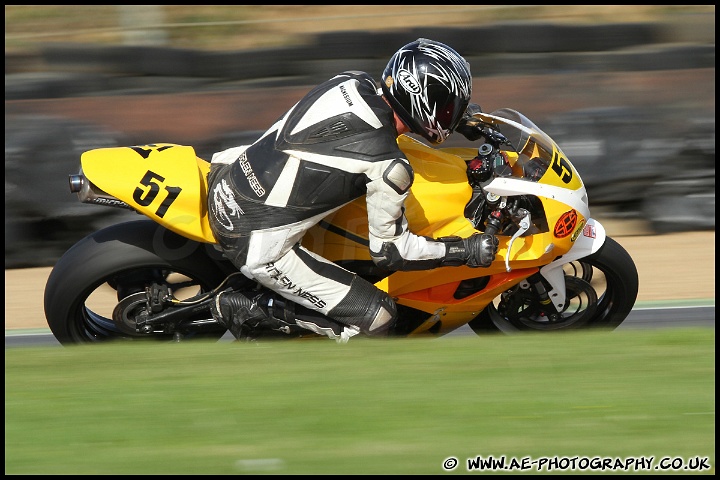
(368, 407)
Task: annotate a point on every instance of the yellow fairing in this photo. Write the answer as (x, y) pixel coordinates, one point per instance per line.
(440, 180)
(435, 208)
(166, 182)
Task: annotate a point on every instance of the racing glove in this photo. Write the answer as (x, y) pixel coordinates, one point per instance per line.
(469, 126)
(478, 250)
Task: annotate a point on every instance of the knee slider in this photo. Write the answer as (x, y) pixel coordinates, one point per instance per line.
(384, 316)
(367, 307)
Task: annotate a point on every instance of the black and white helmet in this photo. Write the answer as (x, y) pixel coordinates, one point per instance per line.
(428, 84)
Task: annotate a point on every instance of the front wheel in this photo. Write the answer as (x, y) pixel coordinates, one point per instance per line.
(601, 290)
(112, 266)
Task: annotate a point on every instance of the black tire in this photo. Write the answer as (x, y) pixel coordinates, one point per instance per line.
(609, 275)
(106, 266)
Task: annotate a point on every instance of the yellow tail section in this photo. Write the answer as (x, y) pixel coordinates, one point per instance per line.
(166, 182)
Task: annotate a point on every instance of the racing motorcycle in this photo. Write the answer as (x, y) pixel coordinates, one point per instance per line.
(155, 278)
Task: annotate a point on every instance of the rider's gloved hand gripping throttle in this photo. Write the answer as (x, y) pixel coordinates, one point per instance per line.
(478, 250)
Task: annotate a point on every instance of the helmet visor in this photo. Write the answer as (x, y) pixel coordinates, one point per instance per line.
(450, 113)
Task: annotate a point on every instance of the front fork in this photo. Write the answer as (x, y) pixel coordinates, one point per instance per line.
(589, 242)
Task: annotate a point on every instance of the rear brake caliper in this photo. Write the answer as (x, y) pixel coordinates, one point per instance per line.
(157, 296)
(132, 314)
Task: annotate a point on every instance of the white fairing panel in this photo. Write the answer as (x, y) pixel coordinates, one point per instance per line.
(589, 242)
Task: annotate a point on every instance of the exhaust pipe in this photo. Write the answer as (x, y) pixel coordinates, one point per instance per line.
(90, 193)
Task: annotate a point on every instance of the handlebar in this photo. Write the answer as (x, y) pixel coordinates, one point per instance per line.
(493, 222)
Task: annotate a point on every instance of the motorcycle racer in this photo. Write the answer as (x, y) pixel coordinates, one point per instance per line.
(336, 144)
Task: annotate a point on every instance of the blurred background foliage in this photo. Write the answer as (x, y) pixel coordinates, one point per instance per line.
(233, 27)
(647, 154)
(627, 91)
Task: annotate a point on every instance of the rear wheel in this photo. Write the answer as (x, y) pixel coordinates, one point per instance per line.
(601, 290)
(87, 286)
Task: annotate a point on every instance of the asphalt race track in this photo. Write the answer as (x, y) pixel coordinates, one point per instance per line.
(657, 317)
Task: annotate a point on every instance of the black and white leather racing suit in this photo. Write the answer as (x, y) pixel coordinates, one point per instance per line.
(336, 144)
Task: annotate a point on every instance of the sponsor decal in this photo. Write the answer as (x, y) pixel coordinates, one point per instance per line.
(224, 205)
(389, 81)
(565, 224)
(589, 231)
(287, 284)
(109, 201)
(577, 232)
(250, 175)
(409, 82)
(346, 95)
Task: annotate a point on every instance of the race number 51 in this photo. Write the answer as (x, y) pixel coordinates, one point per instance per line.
(153, 183)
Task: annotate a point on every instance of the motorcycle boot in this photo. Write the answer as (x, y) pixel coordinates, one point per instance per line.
(302, 319)
(242, 315)
(267, 315)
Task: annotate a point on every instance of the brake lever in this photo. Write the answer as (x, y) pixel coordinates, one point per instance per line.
(524, 226)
